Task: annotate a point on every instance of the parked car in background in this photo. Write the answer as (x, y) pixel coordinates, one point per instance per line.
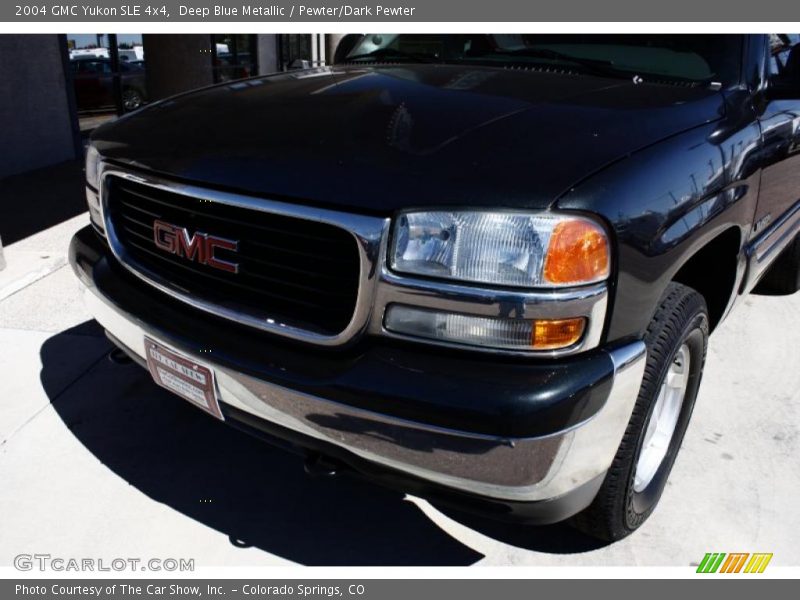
(99, 52)
(93, 78)
(482, 269)
(130, 55)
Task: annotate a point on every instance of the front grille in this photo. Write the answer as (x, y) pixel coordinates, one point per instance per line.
(291, 270)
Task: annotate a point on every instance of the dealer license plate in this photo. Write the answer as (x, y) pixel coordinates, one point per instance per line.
(183, 376)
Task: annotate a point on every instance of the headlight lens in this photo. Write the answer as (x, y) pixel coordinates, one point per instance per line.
(501, 248)
(93, 167)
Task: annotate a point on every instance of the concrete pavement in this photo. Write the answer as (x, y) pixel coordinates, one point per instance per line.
(97, 461)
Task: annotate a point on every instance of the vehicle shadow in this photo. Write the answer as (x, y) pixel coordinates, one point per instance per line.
(257, 495)
(558, 538)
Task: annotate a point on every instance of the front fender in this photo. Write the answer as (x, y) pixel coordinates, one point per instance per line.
(664, 204)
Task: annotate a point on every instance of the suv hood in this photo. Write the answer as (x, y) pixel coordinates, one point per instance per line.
(377, 139)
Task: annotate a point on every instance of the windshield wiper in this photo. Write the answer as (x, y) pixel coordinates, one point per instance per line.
(554, 54)
(390, 54)
(605, 67)
(599, 66)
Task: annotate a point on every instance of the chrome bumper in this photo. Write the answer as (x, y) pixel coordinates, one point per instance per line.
(520, 469)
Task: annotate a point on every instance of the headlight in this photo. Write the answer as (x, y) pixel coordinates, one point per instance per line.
(501, 248)
(92, 167)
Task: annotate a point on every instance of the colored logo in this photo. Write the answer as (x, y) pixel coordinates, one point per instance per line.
(198, 247)
(734, 562)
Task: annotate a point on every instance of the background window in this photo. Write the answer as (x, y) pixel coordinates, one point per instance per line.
(234, 56)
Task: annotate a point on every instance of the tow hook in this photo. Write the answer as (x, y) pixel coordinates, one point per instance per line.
(318, 465)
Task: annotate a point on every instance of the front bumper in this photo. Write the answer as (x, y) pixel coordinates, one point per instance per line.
(458, 425)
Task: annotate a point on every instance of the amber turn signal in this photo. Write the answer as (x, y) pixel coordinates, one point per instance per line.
(578, 253)
(553, 334)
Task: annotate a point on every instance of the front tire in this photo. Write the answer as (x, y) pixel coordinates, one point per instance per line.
(676, 339)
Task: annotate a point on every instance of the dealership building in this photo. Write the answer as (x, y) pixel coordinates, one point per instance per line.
(57, 88)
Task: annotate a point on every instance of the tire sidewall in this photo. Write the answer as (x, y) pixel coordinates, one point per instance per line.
(639, 505)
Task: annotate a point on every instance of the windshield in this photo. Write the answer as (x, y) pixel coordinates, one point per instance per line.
(693, 58)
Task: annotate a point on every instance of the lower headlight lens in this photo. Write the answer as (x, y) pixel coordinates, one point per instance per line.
(95, 211)
(487, 332)
(93, 167)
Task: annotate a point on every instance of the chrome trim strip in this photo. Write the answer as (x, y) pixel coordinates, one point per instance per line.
(767, 247)
(369, 233)
(526, 469)
(775, 239)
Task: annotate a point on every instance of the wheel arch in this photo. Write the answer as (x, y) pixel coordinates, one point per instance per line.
(713, 270)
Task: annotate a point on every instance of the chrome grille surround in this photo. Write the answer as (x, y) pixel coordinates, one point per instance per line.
(369, 234)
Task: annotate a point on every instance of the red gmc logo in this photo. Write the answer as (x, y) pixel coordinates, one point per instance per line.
(198, 247)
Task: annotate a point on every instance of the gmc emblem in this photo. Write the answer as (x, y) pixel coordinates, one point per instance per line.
(198, 247)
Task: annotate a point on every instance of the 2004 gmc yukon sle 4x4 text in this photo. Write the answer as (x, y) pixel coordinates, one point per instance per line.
(480, 269)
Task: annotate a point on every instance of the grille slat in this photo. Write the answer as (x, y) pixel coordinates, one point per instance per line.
(141, 223)
(135, 233)
(140, 209)
(307, 272)
(308, 254)
(291, 270)
(327, 259)
(239, 223)
(256, 261)
(242, 286)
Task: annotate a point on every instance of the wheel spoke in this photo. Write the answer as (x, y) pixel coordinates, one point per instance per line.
(663, 419)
